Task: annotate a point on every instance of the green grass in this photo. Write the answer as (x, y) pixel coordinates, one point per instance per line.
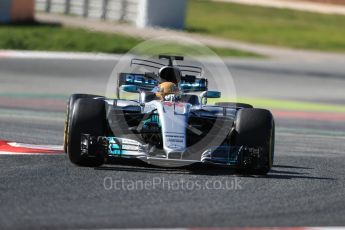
(56, 38)
(267, 25)
(286, 104)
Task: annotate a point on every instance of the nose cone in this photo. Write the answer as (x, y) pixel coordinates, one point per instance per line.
(173, 117)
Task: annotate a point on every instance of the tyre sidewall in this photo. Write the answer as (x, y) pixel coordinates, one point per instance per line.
(70, 104)
(255, 128)
(87, 117)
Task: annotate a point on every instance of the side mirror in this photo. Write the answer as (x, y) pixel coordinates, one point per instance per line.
(130, 88)
(209, 94)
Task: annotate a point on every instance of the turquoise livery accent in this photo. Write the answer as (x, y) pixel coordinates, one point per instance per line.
(114, 146)
(124, 147)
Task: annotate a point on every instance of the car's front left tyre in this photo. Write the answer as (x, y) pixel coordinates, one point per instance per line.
(256, 128)
(234, 105)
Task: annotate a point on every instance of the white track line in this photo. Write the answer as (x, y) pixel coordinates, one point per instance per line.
(13, 54)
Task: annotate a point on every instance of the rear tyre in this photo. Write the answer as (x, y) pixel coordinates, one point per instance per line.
(87, 117)
(255, 128)
(70, 104)
(234, 104)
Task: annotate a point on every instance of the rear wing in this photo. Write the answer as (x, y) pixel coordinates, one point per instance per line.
(188, 83)
(140, 80)
(197, 85)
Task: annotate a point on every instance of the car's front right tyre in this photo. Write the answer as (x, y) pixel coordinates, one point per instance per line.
(70, 104)
(87, 117)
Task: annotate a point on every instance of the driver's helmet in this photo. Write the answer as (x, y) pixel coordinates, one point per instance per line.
(165, 89)
(169, 79)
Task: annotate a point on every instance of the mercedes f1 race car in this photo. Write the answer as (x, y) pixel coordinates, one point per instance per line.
(169, 124)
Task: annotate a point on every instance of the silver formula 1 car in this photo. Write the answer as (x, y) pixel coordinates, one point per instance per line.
(168, 127)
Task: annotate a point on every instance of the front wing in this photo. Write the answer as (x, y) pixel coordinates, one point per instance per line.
(234, 156)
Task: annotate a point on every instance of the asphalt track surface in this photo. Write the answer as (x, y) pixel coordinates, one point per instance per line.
(305, 188)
